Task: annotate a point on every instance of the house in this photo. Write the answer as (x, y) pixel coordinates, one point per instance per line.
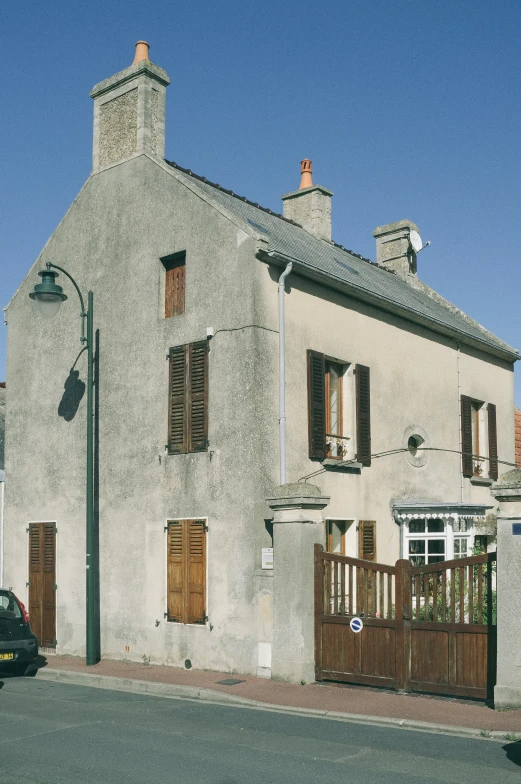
(397, 408)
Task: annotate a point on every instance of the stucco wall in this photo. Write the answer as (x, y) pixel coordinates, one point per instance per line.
(414, 383)
(111, 241)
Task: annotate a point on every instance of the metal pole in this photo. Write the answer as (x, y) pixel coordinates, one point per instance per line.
(91, 560)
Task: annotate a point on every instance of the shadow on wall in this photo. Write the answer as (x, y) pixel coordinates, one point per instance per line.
(74, 389)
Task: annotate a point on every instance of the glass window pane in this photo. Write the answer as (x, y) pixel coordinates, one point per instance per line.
(417, 560)
(416, 546)
(436, 558)
(334, 400)
(460, 547)
(417, 527)
(435, 526)
(436, 546)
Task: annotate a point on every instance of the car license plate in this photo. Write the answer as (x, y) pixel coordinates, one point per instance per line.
(6, 656)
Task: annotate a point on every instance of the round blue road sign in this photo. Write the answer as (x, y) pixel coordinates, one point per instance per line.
(356, 624)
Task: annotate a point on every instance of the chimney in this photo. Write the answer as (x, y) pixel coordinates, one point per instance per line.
(310, 205)
(394, 249)
(129, 112)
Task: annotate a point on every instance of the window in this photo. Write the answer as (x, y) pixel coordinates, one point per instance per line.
(188, 398)
(479, 438)
(328, 392)
(186, 571)
(334, 441)
(424, 543)
(336, 536)
(175, 267)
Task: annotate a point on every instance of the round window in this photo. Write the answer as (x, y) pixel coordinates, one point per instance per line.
(414, 439)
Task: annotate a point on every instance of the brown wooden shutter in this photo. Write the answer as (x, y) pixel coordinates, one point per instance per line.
(177, 420)
(175, 276)
(466, 436)
(186, 571)
(317, 405)
(367, 540)
(363, 415)
(492, 442)
(196, 572)
(42, 585)
(197, 414)
(176, 557)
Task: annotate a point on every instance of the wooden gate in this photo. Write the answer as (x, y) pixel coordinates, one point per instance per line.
(426, 628)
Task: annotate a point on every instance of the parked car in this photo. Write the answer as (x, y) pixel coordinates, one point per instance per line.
(18, 645)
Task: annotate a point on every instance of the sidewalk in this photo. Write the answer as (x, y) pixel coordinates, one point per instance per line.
(375, 705)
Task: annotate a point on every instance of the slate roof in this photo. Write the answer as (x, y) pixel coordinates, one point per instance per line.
(337, 265)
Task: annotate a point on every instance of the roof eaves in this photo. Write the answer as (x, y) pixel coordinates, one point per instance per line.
(411, 314)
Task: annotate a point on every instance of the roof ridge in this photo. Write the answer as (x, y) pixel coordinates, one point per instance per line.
(231, 193)
(216, 185)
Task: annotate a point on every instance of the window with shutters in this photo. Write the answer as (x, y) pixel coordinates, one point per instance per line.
(478, 438)
(186, 571)
(339, 425)
(175, 276)
(188, 398)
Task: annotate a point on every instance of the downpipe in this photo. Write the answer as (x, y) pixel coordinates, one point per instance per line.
(282, 374)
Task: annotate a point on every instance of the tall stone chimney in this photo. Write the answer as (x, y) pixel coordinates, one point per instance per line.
(394, 249)
(310, 205)
(129, 112)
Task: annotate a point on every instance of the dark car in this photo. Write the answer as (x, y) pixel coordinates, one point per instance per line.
(18, 645)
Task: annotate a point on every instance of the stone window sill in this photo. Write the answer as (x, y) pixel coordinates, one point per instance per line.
(482, 481)
(347, 466)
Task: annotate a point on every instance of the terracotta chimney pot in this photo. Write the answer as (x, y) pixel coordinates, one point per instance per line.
(141, 52)
(306, 168)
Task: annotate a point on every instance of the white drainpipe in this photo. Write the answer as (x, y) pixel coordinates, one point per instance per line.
(282, 375)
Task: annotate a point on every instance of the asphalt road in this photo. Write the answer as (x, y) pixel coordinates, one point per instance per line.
(53, 733)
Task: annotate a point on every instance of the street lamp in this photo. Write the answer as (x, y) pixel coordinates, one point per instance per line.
(48, 296)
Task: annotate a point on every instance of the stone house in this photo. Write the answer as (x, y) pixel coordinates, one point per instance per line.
(396, 413)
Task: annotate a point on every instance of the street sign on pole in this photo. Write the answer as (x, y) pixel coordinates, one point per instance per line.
(356, 624)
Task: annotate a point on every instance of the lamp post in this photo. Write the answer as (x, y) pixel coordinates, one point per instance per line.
(48, 296)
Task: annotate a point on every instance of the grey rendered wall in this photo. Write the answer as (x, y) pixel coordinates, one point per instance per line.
(413, 384)
(123, 221)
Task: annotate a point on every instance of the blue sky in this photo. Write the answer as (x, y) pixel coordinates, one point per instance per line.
(408, 109)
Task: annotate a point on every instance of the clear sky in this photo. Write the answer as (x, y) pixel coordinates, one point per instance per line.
(408, 109)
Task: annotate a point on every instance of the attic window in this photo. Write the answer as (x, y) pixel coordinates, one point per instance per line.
(175, 267)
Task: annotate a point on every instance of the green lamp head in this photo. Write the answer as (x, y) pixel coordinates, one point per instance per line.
(47, 294)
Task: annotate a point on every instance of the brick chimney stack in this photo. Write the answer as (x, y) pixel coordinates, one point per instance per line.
(129, 112)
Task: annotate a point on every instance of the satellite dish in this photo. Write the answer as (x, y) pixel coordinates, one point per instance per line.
(416, 241)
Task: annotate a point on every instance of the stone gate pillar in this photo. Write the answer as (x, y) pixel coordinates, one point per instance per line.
(297, 526)
(507, 693)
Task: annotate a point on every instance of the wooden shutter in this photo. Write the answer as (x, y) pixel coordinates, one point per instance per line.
(367, 540)
(492, 442)
(466, 436)
(363, 415)
(317, 405)
(174, 285)
(197, 414)
(176, 598)
(186, 571)
(42, 585)
(196, 572)
(177, 401)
